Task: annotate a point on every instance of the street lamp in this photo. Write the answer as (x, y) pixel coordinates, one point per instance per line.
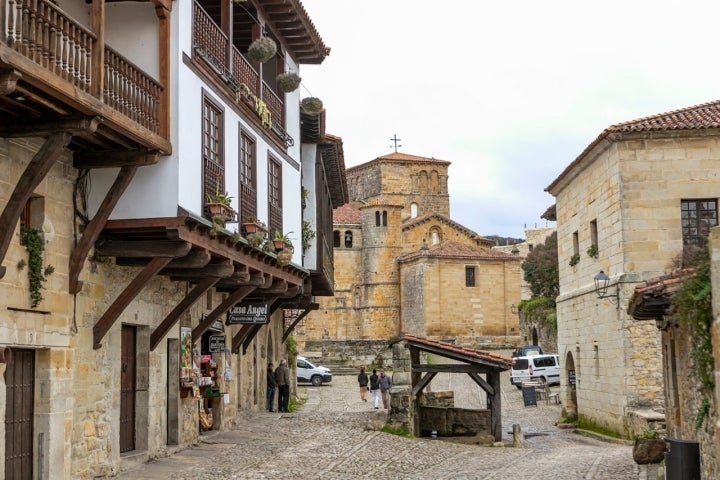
(602, 282)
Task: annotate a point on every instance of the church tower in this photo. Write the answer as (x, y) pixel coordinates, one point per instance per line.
(381, 247)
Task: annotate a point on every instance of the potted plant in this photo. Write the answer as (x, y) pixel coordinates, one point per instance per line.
(262, 49)
(307, 234)
(288, 81)
(253, 225)
(219, 206)
(281, 240)
(311, 105)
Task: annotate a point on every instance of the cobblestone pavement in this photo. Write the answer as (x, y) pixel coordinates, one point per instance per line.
(325, 438)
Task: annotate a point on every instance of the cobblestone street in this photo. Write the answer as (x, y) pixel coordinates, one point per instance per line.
(325, 438)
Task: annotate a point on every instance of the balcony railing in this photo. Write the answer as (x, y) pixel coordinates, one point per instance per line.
(212, 45)
(40, 31)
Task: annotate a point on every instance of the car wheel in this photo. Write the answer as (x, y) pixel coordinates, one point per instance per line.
(316, 380)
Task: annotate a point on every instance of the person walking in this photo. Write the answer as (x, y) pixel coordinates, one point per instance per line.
(282, 377)
(363, 382)
(375, 388)
(271, 387)
(385, 386)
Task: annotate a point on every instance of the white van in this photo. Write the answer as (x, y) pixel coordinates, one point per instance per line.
(307, 372)
(545, 368)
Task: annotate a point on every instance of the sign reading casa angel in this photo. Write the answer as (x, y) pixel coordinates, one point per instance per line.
(255, 313)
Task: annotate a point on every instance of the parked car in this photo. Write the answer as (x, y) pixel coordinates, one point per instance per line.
(527, 350)
(544, 368)
(309, 373)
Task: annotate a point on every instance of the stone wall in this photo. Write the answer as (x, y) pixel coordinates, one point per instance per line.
(451, 422)
(357, 353)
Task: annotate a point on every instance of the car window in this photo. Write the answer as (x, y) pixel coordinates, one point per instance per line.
(520, 364)
(302, 364)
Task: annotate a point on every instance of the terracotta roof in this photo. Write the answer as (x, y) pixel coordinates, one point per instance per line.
(697, 117)
(653, 298)
(466, 354)
(291, 19)
(442, 219)
(457, 250)
(348, 214)
(399, 157)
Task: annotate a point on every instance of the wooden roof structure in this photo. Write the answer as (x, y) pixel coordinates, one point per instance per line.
(474, 362)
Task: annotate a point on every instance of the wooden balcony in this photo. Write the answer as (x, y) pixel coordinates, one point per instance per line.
(54, 68)
(213, 46)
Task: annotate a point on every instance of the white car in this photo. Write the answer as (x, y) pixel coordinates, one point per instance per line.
(307, 372)
(545, 368)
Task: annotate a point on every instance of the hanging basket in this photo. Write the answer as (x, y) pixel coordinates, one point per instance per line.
(262, 49)
(288, 82)
(311, 105)
(284, 256)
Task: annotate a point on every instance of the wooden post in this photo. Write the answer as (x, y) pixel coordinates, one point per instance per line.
(97, 82)
(163, 116)
(493, 379)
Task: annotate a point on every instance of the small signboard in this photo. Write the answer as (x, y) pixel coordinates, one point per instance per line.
(255, 313)
(217, 343)
(571, 377)
(529, 398)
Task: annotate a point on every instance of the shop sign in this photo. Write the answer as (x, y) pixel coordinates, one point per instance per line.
(254, 313)
(217, 343)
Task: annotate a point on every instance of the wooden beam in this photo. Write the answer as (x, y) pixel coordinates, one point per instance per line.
(34, 173)
(495, 405)
(93, 229)
(239, 337)
(84, 160)
(162, 10)
(278, 287)
(144, 248)
(483, 384)
(219, 270)
(194, 259)
(289, 330)
(98, 49)
(172, 317)
(8, 81)
(231, 300)
(452, 368)
(75, 126)
(128, 295)
(423, 383)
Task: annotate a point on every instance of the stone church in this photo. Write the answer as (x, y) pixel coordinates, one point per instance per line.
(402, 265)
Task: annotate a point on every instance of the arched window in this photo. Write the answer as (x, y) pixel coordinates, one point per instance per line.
(336, 238)
(384, 218)
(433, 183)
(434, 236)
(413, 210)
(377, 218)
(348, 239)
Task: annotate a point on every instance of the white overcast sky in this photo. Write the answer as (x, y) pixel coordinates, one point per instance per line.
(510, 92)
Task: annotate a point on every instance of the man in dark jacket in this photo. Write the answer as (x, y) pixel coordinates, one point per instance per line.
(282, 377)
(271, 386)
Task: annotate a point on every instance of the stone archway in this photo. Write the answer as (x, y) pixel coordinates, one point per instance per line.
(570, 400)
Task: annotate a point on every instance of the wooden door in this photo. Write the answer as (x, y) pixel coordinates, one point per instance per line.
(19, 412)
(127, 389)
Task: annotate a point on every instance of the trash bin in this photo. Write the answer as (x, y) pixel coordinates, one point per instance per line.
(682, 461)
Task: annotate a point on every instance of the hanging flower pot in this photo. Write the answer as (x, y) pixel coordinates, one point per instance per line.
(262, 49)
(284, 256)
(311, 105)
(288, 82)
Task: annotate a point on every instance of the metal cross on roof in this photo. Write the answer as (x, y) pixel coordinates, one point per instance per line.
(396, 141)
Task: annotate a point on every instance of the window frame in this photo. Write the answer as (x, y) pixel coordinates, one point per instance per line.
(701, 232)
(212, 148)
(470, 276)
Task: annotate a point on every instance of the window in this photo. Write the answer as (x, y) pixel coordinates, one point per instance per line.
(377, 219)
(434, 236)
(469, 276)
(698, 216)
(593, 233)
(576, 244)
(384, 216)
(336, 238)
(275, 213)
(348, 239)
(413, 210)
(213, 171)
(247, 176)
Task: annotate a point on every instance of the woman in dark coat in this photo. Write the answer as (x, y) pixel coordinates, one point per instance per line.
(363, 382)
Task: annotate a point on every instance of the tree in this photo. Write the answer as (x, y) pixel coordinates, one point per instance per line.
(541, 269)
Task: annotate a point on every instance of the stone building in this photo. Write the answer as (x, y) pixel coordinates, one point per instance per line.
(404, 266)
(157, 317)
(627, 207)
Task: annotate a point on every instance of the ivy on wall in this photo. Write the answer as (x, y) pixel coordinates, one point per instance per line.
(694, 309)
(34, 243)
